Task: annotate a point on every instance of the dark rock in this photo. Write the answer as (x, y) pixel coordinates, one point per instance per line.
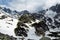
(56, 8)
(26, 18)
(37, 16)
(7, 10)
(57, 23)
(20, 32)
(3, 17)
(19, 24)
(40, 28)
(53, 27)
(54, 34)
(55, 39)
(49, 19)
(30, 39)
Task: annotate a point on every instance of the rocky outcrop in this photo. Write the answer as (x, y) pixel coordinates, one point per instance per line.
(40, 28)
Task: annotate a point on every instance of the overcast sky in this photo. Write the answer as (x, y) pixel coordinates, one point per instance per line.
(31, 5)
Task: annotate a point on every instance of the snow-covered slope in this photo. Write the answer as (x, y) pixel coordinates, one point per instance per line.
(7, 24)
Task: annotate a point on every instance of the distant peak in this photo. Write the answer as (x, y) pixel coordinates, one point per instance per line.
(55, 8)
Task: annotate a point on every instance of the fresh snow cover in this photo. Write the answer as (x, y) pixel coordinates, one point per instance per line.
(7, 26)
(31, 32)
(32, 35)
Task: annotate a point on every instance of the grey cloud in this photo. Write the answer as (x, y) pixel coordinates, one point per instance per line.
(32, 5)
